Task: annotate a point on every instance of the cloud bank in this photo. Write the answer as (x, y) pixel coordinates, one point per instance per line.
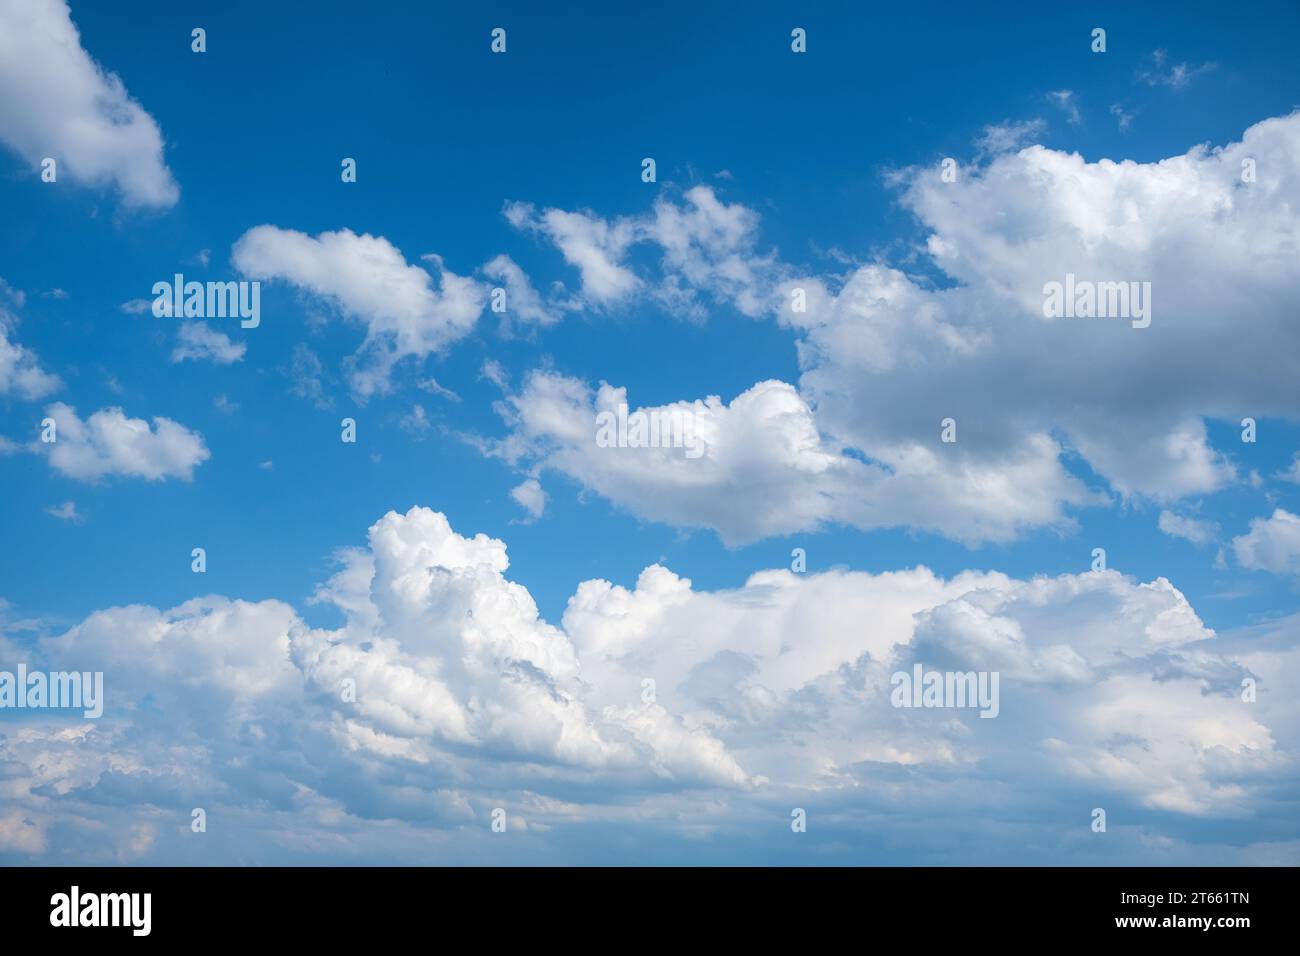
(442, 695)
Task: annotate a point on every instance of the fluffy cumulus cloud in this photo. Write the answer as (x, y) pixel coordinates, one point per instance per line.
(57, 102)
(886, 356)
(759, 466)
(1271, 544)
(530, 496)
(702, 716)
(707, 465)
(367, 279)
(1098, 677)
(20, 370)
(111, 443)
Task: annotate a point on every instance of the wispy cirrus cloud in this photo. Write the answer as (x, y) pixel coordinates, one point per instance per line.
(1174, 76)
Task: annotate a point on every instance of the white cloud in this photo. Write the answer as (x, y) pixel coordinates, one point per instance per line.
(530, 496)
(1190, 529)
(1176, 76)
(495, 373)
(1068, 103)
(56, 101)
(445, 649)
(431, 385)
(522, 301)
(20, 371)
(1087, 658)
(1008, 136)
(764, 469)
(198, 341)
(66, 512)
(1271, 544)
(306, 374)
(367, 278)
(655, 707)
(416, 421)
(110, 443)
(706, 244)
(887, 357)
(1292, 474)
(20, 834)
(17, 296)
(595, 246)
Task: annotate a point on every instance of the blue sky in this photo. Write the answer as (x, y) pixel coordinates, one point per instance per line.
(824, 164)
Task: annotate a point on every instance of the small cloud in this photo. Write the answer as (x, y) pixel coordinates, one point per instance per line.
(1175, 77)
(1189, 529)
(20, 369)
(66, 512)
(1271, 544)
(306, 373)
(1121, 117)
(415, 421)
(523, 302)
(224, 405)
(431, 385)
(1067, 103)
(198, 340)
(57, 294)
(530, 496)
(204, 257)
(136, 306)
(495, 373)
(724, 174)
(16, 296)
(110, 443)
(1008, 137)
(267, 465)
(1292, 474)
